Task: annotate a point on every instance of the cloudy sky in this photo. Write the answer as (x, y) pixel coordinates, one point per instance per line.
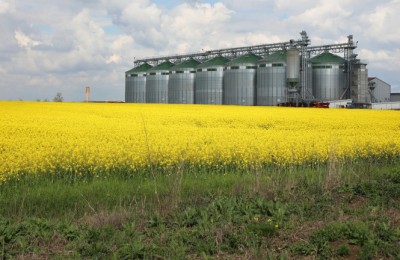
(64, 45)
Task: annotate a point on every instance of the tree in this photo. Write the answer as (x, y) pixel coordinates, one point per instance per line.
(58, 97)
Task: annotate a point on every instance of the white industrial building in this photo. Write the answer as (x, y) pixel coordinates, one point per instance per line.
(379, 90)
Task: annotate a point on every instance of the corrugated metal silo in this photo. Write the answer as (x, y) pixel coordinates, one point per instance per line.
(328, 76)
(181, 83)
(240, 80)
(157, 83)
(135, 84)
(128, 87)
(210, 81)
(271, 80)
(309, 91)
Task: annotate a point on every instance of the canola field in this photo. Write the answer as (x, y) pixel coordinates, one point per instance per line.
(89, 138)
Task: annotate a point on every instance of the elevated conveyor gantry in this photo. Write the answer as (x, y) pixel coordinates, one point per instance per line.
(230, 53)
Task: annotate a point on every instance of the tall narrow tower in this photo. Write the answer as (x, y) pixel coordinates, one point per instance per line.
(293, 74)
(87, 94)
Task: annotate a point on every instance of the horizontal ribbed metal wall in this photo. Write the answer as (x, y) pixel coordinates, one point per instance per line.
(328, 82)
(157, 83)
(328, 76)
(128, 88)
(209, 86)
(240, 81)
(309, 90)
(210, 81)
(181, 87)
(181, 83)
(240, 86)
(135, 84)
(157, 87)
(138, 87)
(271, 80)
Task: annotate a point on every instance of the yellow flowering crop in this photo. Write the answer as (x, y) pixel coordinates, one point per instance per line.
(38, 137)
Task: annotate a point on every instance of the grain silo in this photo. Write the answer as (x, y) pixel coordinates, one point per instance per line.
(328, 76)
(309, 93)
(135, 84)
(157, 83)
(292, 68)
(181, 83)
(271, 80)
(240, 80)
(210, 81)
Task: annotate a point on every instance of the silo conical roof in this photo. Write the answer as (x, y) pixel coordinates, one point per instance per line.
(278, 56)
(218, 61)
(187, 64)
(327, 57)
(245, 59)
(166, 65)
(141, 68)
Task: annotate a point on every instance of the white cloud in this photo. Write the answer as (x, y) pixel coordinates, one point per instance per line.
(249, 4)
(382, 22)
(141, 14)
(188, 27)
(261, 38)
(295, 6)
(122, 42)
(87, 33)
(2, 70)
(113, 59)
(173, 30)
(44, 81)
(382, 59)
(328, 16)
(6, 7)
(25, 41)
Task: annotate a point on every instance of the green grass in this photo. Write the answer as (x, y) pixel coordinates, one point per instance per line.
(347, 210)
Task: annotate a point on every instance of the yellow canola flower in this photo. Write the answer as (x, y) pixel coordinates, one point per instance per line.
(79, 138)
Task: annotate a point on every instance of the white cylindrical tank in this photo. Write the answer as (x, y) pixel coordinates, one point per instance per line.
(292, 67)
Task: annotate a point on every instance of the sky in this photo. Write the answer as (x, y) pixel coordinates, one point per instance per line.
(62, 46)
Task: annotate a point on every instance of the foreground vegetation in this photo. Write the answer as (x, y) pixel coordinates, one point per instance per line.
(348, 211)
(147, 181)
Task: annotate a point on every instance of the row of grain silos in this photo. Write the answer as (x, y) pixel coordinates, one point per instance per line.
(246, 80)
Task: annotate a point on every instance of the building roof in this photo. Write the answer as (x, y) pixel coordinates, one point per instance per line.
(245, 59)
(372, 78)
(142, 68)
(278, 56)
(327, 57)
(166, 65)
(187, 64)
(218, 61)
